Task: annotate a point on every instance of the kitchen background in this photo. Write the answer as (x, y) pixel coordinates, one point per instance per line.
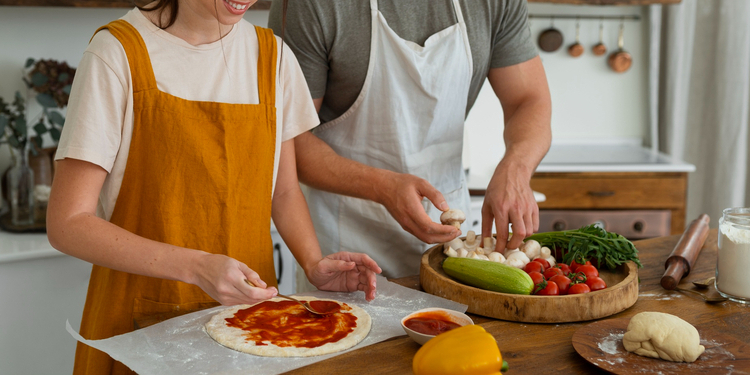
(592, 106)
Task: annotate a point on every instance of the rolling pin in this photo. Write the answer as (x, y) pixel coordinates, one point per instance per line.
(685, 252)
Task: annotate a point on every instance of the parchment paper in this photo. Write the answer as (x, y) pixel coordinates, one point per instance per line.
(181, 346)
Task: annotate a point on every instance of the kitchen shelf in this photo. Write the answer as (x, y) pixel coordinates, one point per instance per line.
(260, 5)
(606, 2)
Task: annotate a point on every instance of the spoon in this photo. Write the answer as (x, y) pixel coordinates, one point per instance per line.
(707, 298)
(704, 283)
(306, 305)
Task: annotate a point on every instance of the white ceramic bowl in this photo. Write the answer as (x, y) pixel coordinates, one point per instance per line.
(452, 315)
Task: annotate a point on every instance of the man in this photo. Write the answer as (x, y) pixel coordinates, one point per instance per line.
(393, 82)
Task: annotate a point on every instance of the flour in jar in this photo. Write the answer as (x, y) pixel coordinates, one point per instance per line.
(733, 263)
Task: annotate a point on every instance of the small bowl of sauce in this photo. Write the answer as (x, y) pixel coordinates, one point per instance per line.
(422, 325)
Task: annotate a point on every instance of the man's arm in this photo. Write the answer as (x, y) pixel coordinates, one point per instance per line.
(525, 98)
(319, 166)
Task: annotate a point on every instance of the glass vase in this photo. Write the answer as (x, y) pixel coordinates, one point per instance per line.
(20, 186)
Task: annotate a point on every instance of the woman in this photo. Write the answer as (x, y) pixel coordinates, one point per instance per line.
(177, 152)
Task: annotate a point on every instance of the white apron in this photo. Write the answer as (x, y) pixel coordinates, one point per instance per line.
(408, 118)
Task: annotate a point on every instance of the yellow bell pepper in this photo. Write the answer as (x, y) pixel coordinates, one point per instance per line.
(468, 350)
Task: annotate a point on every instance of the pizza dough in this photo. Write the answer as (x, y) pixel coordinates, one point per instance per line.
(665, 336)
(274, 343)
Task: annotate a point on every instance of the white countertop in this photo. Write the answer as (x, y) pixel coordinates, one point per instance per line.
(595, 156)
(25, 246)
(608, 156)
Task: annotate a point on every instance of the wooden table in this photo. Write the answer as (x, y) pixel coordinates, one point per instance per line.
(547, 348)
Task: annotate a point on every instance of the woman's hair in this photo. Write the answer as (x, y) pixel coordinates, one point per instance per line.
(161, 6)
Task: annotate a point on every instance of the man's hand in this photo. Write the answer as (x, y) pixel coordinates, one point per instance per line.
(345, 272)
(402, 197)
(509, 199)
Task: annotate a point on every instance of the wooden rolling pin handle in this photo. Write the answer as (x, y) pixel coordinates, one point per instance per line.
(676, 268)
(685, 252)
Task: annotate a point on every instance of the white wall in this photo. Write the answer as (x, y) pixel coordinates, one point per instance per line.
(589, 100)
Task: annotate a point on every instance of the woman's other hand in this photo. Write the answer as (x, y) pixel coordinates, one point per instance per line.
(345, 272)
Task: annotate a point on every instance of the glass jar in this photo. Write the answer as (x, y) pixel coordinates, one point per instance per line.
(21, 188)
(733, 260)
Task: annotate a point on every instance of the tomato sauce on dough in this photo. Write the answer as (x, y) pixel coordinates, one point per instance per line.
(287, 324)
(431, 323)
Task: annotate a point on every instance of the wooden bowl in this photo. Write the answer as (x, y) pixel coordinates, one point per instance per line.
(620, 294)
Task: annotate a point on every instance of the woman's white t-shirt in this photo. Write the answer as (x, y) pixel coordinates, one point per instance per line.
(99, 122)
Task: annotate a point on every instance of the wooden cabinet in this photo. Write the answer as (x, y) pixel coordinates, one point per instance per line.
(615, 191)
(261, 4)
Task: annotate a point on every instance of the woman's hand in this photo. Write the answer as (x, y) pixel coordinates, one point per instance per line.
(345, 272)
(223, 278)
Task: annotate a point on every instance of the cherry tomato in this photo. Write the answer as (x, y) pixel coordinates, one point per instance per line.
(574, 265)
(596, 283)
(565, 268)
(550, 290)
(534, 267)
(543, 262)
(578, 277)
(563, 283)
(578, 289)
(588, 270)
(536, 277)
(552, 271)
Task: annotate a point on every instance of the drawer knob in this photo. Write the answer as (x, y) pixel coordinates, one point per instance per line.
(558, 225)
(601, 193)
(638, 226)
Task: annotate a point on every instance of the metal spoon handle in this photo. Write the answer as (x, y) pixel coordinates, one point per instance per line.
(305, 305)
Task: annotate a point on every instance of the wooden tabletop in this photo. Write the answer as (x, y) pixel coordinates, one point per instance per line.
(547, 348)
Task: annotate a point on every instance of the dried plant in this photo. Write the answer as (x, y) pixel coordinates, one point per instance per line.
(51, 80)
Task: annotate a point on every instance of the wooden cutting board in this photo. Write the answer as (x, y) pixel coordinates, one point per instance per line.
(600, 343)
(621, 293)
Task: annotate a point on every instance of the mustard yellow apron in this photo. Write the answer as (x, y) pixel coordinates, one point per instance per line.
(199, 175)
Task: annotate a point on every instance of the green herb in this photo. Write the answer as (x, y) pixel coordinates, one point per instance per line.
(588, 243)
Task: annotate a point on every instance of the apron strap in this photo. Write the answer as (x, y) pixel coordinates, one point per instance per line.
(459, 13)
(266, 65)
(141, 71)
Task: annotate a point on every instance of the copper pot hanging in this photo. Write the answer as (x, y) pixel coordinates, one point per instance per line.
(576, 49)
(599, 48)
(620, 60)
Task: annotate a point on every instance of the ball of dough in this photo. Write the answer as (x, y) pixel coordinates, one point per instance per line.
(665, 336)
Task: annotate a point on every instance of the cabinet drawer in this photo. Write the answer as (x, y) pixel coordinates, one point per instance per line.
(657, 191)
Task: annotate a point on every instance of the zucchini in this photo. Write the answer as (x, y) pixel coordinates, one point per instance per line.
(489, 275)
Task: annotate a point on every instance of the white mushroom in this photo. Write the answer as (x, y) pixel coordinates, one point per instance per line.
(516, 258)
(462, 253)
(483, 257)
(531, 248)
(488, 243)
(546, 254)
(453, 217)
(455, 243)
(450, 252)
(471, 242)
(496, 257)
(515, 262)
(473, 255)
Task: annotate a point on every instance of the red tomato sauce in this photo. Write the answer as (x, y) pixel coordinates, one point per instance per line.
(431, 323)
(287, 324)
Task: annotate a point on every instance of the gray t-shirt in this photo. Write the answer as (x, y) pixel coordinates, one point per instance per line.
(331, 39)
